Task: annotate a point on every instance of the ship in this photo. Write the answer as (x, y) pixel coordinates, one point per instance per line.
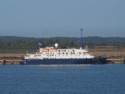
(55, 55)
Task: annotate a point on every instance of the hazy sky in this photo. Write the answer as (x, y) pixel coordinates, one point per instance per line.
(48, 18)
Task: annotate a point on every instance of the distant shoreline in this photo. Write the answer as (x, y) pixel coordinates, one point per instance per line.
(115, 55)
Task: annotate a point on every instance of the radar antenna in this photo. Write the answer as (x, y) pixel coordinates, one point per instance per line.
(56, 45)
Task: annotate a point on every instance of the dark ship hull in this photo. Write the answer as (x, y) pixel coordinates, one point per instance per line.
(98, 60)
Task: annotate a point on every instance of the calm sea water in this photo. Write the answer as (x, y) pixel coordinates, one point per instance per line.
(80, 79)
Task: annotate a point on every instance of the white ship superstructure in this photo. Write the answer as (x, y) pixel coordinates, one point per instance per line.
(54, 53)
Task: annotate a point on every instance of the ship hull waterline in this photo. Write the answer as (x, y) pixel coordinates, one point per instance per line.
(63, 61)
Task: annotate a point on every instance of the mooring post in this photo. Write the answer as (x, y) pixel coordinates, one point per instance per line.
(123, 60)
(4, 62)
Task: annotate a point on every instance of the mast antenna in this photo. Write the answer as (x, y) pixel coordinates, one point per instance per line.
(81, 42)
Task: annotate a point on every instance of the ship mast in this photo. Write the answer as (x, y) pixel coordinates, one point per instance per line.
(81, 42)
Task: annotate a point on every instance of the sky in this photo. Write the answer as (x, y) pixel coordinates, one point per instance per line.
(54, 18)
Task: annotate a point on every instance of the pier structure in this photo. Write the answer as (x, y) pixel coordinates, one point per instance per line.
(116, 60)
(114, 56)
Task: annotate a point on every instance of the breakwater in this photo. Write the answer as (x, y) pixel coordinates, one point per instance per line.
(10, 59)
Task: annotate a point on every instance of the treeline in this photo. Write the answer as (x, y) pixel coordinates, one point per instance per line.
(12, 43)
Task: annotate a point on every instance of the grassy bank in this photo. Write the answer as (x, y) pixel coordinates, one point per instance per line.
(12, 50)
